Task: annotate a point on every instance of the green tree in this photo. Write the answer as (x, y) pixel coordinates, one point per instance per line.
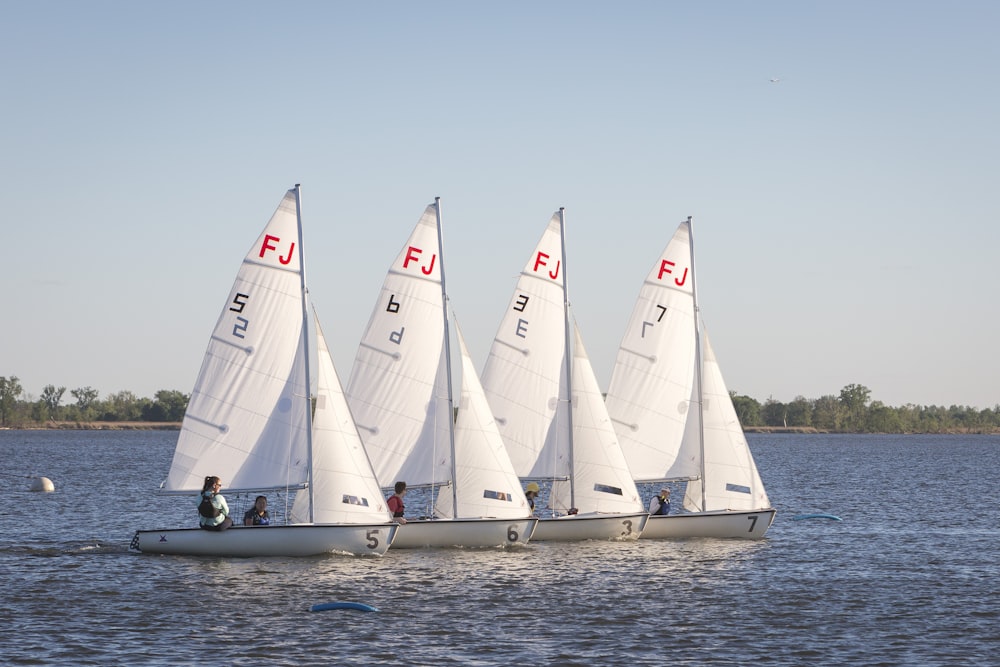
(882, 419)
(168, 406)
(10, 391)
(52, 397)
(827, 413)
(854, 398)
(122, 406)
(85, 399)
(799, 412)
(747, 409)
(774, 413)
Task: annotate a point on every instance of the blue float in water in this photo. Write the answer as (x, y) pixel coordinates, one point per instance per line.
(816, 516)
(357, 606)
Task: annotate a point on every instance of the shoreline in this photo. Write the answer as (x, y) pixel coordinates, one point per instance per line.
(98, 426)
(176, 426)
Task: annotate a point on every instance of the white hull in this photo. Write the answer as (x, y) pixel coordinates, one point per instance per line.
(418, 534)
(577, 527)
(749, 524)
(246, 542)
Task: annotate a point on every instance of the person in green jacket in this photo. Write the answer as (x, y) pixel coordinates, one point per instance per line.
(213, 510)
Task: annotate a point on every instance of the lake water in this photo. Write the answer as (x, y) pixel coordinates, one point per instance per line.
(909, 577)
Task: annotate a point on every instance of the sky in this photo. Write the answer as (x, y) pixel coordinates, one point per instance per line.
(839, 160)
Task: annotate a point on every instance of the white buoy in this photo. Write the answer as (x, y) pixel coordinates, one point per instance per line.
(43, 484)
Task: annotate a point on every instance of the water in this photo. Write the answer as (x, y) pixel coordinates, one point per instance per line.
(909, 577)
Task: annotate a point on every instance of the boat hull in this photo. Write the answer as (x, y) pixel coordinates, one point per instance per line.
(578, 527)
(246, 542)
(428, 533)
(749, 524)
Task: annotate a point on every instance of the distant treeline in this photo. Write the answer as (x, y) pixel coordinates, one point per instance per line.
(852, 411)
(18, 410)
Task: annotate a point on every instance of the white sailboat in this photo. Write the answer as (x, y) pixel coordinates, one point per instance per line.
(401, 394)
(542, 389)
(250, 422)
(673, 413)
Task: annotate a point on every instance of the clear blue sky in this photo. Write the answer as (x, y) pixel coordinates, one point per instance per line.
(846, 216)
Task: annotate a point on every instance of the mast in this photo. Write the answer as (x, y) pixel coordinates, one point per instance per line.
(699, 368)
(447, 358)
(308, 355)
(568, 356)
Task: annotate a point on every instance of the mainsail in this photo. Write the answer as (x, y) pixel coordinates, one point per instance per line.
(248, 417)
(649, 397)
(401, 393)
(542, 389)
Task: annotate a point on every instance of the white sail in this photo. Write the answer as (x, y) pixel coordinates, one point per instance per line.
(526, 365)
(485, 481)
(673, 412)
(248, 417)
(249, 421)
(531, 391)
(650, 392)
(343, 488)
(602, 480)
(401, 395)
(398, 387)
(731, 478)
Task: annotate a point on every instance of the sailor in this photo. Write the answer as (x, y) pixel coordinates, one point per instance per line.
(660, 504)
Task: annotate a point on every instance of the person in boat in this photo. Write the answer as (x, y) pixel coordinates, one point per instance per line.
(210, 492)
(257, 515)
(660, 504)
(531, 493)
(395, 502)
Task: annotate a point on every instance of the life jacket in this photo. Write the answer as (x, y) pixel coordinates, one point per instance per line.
(664, 507)
(256, 518)
(206, 508)
(395, 505)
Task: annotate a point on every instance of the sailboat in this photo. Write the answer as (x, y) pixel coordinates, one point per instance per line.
(673, 412)
(250, 420)
(542, 389)
(401, 395)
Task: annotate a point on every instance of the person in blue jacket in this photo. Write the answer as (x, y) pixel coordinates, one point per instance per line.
(216, 506)
(660, 504)
(257, 515)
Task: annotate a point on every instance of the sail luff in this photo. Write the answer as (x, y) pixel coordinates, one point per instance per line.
(307, 348)
(566, 388)
(447, 357)
(699, 368)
